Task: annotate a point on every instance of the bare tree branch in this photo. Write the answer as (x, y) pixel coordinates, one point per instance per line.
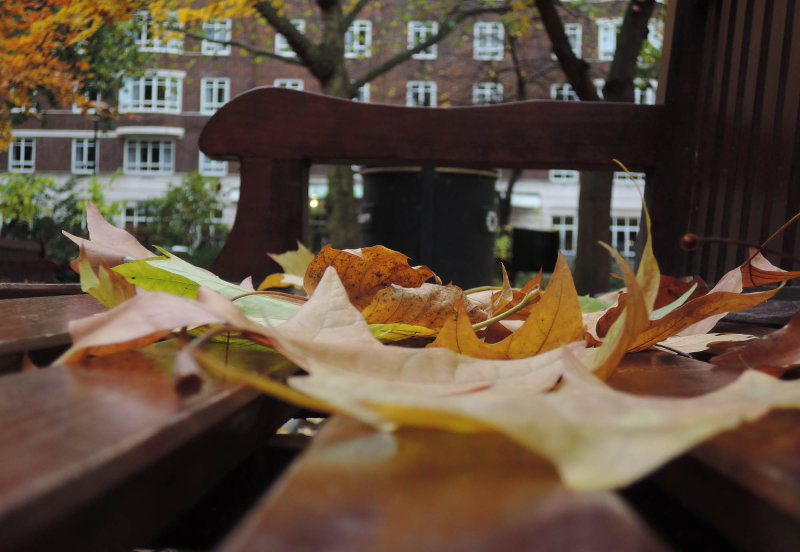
(238, 44)
(301, 45)
(633, 32)
(353, 13)
(575, 69)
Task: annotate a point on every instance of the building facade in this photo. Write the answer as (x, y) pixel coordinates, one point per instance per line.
(154, 141)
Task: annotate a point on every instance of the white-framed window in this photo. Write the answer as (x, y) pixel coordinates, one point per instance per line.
(84, 155)
(624, 231)
(358, 39)
(150, 38)
(567, 226)
(644, 92)
(22, 155)
(216, 29)
(574, 32)
(623, 178)
(282, 47)
(157, 93)
(421, 93)
(296, 84)
(149, 156)
(136, 217)
(211, 167)
(607, 38)
(214, 93)
(563, 92)
(564, 176)
(488, 40)
(420, 31)
(484, 93)
(363, 94)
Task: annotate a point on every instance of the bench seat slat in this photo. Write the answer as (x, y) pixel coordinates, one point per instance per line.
(361, 490)
(103, 455)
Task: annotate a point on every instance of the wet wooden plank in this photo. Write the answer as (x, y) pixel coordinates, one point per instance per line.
(359, 489)
(105, 454)
(40, 322)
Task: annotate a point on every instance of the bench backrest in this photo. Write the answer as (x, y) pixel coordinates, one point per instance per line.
(719, 150)
(729, 165)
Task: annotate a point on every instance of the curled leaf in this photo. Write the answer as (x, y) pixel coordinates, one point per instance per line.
(758, 271)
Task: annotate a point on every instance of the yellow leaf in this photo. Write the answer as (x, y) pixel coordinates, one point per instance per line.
(554, 321)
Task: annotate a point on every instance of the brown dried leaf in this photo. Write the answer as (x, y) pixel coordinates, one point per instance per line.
(702, 308)
(759, 271)
(366, 271)
(429, 305)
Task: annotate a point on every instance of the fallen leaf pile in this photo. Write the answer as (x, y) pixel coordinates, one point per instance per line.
(391, 345)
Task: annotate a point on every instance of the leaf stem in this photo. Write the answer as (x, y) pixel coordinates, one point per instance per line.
(505, 314)
(295, 298)
(482, 288)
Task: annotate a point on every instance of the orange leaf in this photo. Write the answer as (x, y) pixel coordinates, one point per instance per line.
(695, 310)
(364, 272)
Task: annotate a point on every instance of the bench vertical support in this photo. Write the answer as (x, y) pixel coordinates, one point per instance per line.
(271, 217)
(670, 198)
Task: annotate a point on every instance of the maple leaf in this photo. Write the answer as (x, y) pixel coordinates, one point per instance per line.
(366, 271)
(555, 321)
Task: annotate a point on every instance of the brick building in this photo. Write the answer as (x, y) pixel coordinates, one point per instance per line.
(154, 141)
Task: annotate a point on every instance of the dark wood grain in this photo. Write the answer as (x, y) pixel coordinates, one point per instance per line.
(745, 483)
(21, 290)
(278, 123)
(40, 322)
(358, 489)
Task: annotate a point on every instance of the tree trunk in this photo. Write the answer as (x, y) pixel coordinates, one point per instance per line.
(343, 229)
(592, 262)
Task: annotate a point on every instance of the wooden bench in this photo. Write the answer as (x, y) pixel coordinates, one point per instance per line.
(106, 455)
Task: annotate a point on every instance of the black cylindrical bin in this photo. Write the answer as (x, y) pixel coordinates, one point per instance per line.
(443, 218)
